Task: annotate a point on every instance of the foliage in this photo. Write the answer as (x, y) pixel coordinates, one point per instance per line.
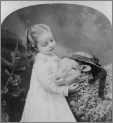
(16, 67)
(87, 106)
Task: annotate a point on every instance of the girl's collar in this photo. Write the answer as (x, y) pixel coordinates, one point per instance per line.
(43, 56)
(47, 54)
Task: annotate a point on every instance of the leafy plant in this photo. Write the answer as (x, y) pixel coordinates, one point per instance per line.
(13, 74)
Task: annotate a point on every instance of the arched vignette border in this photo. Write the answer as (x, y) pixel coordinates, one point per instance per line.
(8, 7)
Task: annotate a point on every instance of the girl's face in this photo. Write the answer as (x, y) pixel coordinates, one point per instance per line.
(46, 43)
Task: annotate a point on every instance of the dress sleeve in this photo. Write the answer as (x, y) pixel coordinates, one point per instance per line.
(47, 79)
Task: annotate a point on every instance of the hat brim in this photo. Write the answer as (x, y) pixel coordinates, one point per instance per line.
(86, 60)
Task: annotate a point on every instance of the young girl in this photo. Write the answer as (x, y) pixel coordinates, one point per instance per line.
(45, 101)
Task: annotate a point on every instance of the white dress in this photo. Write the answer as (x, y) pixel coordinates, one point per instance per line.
(45, 102)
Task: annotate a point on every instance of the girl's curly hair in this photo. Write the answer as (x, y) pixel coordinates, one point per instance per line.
(34, 32)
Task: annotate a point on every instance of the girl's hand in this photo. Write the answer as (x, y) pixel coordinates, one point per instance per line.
(73, 88)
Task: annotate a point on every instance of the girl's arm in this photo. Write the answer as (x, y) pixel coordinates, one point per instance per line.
(47, 80)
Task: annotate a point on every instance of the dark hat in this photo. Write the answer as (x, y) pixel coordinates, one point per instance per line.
(86, 58)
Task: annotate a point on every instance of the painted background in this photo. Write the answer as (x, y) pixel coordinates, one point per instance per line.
(75, 28)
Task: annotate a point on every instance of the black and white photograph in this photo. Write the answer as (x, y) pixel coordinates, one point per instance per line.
(56, 61)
